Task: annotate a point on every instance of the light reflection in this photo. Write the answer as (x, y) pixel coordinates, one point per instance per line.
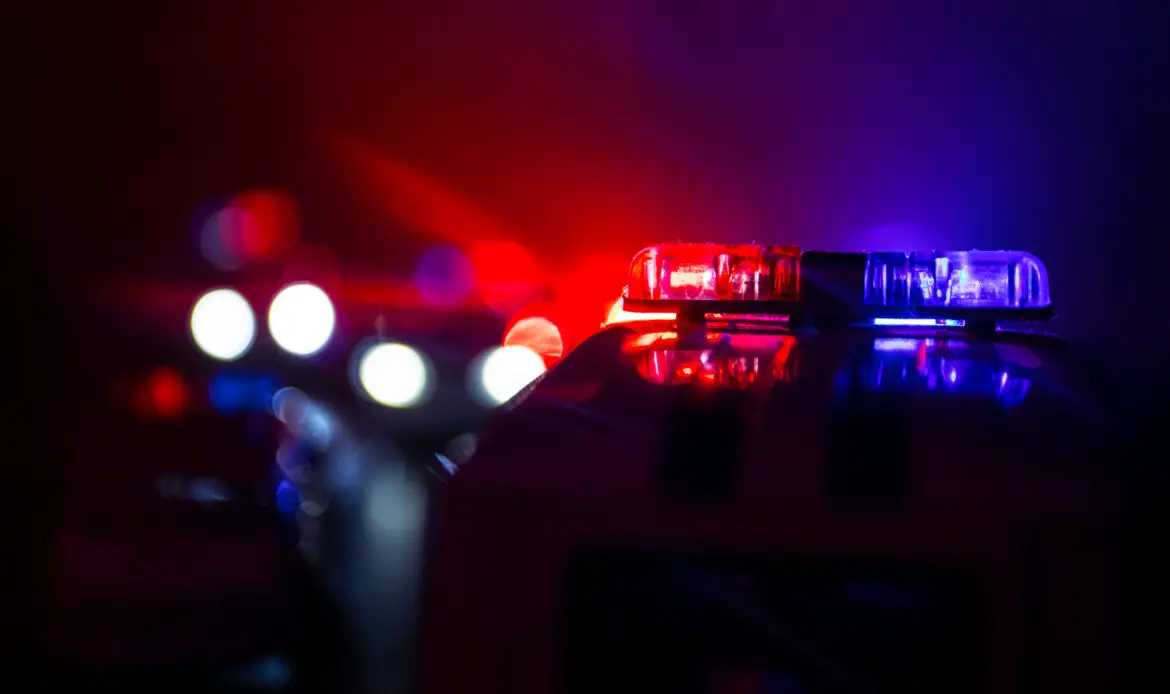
(900, 364)
(721, 366)
(618, 314)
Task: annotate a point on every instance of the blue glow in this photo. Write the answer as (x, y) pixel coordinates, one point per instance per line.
(208, 491)
(288, 497)
(910, 365)
(236, 392)
(921, 322)
(269, 674)
(445, 276)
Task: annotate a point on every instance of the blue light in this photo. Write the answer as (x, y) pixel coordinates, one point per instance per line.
(235, 392)
(288, 497)
(921, 322)
(957, 279)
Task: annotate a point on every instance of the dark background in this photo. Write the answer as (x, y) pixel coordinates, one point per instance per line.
(581, 128)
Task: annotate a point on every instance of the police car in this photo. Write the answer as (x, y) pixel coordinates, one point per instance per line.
(790, 471)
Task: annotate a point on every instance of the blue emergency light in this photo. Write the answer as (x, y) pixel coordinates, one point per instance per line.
(708, 281)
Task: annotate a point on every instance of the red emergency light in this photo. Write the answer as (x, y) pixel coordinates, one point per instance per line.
(712, 271)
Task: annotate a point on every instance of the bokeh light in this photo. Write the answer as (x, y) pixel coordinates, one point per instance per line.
(502, 372)
(164, 395)
(538, 334)
(460, 449)
(254, 226)
(395, 375)
(301, 319)
(445, 276)
(234, 392)
(223, 325)
(303, 417)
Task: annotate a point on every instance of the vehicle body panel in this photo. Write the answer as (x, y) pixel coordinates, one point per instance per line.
(1016, 489)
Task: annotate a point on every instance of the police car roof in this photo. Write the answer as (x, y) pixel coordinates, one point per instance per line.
(1012, 420)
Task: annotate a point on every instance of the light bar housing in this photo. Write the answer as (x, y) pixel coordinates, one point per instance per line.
(973, 288)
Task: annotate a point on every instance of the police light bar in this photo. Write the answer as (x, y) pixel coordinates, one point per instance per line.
(935, 289)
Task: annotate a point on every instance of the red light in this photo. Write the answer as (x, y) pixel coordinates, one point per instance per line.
(271, 224)
(163, 395)
(507, 274)
(710, 271)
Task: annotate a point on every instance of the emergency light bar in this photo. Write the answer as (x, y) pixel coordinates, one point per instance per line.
(943, 289)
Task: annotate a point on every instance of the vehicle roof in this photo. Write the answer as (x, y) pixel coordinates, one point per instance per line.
(1015, 415)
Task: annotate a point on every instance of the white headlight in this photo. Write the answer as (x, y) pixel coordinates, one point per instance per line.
(301, 319)
(395, 375)
(502, 372)
(222, 324)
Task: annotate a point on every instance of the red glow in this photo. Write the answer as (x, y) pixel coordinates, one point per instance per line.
(644, 340)
(617, 314)
(507, 274)
(313, 263)
(408, 194)
(164, 395)
(582, 294)
(764, 365)
(272, 225)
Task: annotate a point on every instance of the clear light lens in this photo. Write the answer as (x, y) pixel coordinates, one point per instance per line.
(223, 325)
(959, 279)
(708, 271)
(301, 319)
(395, 375)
